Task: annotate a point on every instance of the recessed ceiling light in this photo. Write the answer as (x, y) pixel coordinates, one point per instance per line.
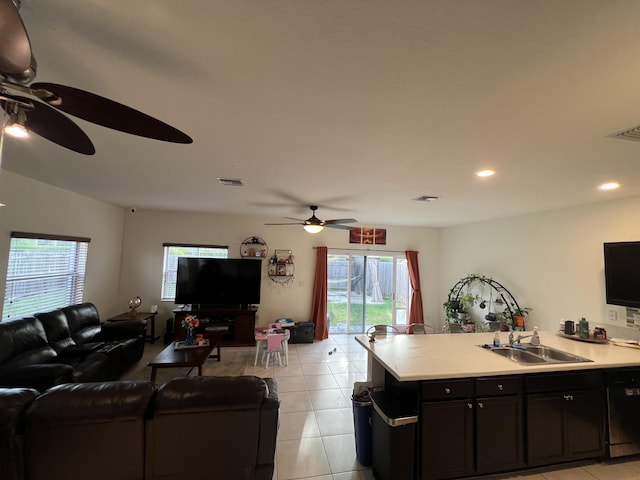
(485, 173)
(609, 186)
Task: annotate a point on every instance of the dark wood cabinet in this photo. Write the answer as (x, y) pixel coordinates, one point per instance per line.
(237, 325)
(447, 439)
(499, 435)
(471, 427)
(565, 423)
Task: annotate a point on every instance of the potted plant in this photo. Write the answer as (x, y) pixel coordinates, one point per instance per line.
(519, 315)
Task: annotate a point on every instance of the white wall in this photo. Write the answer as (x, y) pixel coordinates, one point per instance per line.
(147, 230)
(550, 261)
(36, 207)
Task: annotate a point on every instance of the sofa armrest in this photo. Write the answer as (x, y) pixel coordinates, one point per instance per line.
(13, 405)
(121, 330)
(40, 376)
(269, 423)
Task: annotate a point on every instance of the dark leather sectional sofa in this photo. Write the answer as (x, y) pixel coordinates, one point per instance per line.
(188, 429)
(67, 345)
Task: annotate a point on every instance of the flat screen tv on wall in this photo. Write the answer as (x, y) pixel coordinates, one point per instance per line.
(622, 273)
(233, 282)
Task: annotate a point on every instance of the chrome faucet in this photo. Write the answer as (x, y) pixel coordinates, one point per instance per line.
(535, 338)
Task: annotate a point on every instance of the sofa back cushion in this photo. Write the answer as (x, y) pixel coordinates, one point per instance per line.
(207, 404)
(84, 321)
(24, 342)
(56, 328)
(88, 430)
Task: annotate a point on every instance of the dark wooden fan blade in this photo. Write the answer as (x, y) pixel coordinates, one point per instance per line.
(342, 227)
(56, 127)
(108, 113)
(15, 49)
(298, 223)
(340, 220)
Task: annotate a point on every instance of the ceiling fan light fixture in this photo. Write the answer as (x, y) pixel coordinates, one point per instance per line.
(313, 228)
(15, 124)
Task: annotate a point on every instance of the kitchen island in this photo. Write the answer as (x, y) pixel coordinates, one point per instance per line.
(479, 413)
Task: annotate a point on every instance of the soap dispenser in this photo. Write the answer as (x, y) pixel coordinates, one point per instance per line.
(496, 339)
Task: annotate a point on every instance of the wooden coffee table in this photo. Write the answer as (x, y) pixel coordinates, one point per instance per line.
(172, 358)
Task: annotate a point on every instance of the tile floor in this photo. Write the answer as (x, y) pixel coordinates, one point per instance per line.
(316, 439)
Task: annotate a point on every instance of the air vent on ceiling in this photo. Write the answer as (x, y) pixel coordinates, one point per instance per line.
(632, 134)
(426, 198)
(231, 182)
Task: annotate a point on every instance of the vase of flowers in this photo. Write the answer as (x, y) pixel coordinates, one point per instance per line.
(190, 322)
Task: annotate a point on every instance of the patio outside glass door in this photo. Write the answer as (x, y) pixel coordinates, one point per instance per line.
(366, 290)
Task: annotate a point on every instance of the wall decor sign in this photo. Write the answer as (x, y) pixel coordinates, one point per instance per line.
(368, 236)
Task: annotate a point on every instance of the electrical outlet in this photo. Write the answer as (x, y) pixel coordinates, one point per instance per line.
(613, 315)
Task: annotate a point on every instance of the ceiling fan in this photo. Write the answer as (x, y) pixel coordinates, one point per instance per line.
(314, 225)
(39, 111)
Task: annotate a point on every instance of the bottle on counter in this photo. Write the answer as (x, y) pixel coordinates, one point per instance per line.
(496, 339)
(583, 328)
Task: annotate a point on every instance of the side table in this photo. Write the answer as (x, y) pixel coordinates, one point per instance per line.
(150, 317)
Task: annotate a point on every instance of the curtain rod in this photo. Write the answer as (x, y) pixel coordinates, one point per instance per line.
(364, 250)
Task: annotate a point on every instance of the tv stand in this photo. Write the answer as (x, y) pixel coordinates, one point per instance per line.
(240, 323)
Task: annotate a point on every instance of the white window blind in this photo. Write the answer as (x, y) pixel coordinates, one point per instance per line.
(44, 272)
(170, 266)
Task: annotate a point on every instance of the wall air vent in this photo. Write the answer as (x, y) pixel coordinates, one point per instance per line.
(231, 182)
(632, 134)
(426, 198)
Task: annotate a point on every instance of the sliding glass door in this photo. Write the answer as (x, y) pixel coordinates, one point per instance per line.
(366, 290)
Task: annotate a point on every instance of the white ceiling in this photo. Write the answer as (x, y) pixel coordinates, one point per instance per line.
(359, 106)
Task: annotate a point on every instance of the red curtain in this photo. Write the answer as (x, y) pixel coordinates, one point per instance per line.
(415, 312)
(319, 298)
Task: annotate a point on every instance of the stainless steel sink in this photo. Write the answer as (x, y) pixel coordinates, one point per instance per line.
(554, 355)
(517, 355)
(528, 354)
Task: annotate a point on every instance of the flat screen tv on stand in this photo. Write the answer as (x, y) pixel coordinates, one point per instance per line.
(207, 283)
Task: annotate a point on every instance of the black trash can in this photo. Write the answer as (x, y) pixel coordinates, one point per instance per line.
(362, 426)
(394, 422)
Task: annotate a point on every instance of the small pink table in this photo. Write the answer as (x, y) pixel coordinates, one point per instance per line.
(261, 336)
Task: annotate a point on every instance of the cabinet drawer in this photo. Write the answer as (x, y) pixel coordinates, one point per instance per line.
(447, 389)
(558, 382)
(493, 386)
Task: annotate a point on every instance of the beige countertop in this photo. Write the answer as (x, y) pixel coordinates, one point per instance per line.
(441, 356)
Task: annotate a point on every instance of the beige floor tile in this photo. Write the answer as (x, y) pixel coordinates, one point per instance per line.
(341, 453)
(568, 474)
(357, 475)
(328, 399)
(336, 421)
(295, 425)
(611, 472)
(321, 382)
(295, 402)
(311, 357)
(345, 380)
(294, 383)
(301, 458)
(292, 369)
(315, 369)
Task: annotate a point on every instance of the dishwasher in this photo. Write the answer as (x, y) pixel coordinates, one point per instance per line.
(623, 415)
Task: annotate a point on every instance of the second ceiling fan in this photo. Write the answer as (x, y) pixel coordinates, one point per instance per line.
(314, 225)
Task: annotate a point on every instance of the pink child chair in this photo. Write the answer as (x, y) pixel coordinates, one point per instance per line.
(274, 347)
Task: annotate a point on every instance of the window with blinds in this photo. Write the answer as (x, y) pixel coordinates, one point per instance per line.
(170, 266)
(44, 272)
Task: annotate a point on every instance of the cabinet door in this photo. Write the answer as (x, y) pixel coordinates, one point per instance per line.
(499, 435)
(584, 413)
(447, 439)
(545, 428)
